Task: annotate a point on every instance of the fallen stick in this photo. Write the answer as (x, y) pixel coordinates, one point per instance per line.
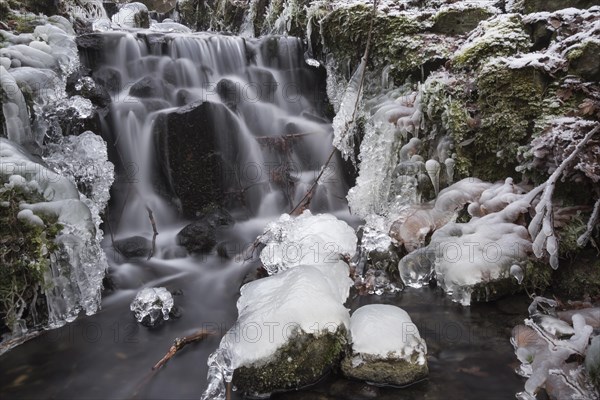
(180, 343)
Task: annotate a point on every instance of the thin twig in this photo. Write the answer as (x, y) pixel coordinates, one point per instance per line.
(151, 217)
(180, 343)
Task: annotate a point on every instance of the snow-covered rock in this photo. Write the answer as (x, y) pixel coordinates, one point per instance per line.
(386, 347)
(306, 240)
(291, 328)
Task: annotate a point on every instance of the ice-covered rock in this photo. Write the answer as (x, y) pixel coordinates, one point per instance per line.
(306, 239)
(152, 305)
(74, 278)
(386, 347)
(132, 15)
(290, 329)
(463, 255)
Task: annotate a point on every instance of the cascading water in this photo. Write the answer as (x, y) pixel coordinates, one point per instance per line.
(270, 138)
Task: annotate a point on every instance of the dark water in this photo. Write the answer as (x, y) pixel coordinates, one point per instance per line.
(109, 356)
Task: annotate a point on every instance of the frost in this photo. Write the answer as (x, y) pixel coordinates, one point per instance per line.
(306, 239)
(545, 346)
(386, 331)
(152, 305)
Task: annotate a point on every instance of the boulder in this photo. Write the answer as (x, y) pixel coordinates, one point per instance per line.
(197, 237)
(584, 60)
(133, 247)
(190, 140)
(147, 87)
(301, 362)
(386, 347)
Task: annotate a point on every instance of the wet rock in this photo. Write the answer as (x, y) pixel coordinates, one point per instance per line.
(197, 237)
(134, 247)
(189, 139)
(151, 306)
(303, 361)
(386, 347)
(147, 87)
(230, 93)
(108, 78)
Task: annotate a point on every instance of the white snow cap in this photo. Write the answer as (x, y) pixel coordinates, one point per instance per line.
(386, 331)
(308, 297)
(308, 239)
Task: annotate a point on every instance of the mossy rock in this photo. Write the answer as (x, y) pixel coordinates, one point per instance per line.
(531, 6)
(456, 21)
(387, 371)
(584, 60)
(509, 102)
(493, 290)
(578, 276)
(398, 41)
(301, 362)
(502, 36)
(25, 251)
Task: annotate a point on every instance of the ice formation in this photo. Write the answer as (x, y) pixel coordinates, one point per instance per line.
(307, 298)
(78, 267)
(131, 15)
(392, 116)
(545, 344)
(386, 331)
(483, 250)
(152, 305)
(306, 239)
(39, 64)
(347, 114)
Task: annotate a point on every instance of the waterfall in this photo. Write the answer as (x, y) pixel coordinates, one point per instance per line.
(204, 118)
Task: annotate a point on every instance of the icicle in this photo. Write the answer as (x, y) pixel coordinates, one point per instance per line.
(450, 164)
(433, 170)
(344, 121)
(517, 273)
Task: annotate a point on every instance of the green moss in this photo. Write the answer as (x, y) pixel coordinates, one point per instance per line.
(457, 21)
(398, 41)
(302, 361)
(509, 101)
(578, 277)
(504, 35)
(538, 276)
(446, 104)
(25, 257)
(385, 371)
(584, 60)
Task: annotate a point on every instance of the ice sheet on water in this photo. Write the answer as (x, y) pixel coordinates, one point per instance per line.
(152, 305)
(306, 239)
